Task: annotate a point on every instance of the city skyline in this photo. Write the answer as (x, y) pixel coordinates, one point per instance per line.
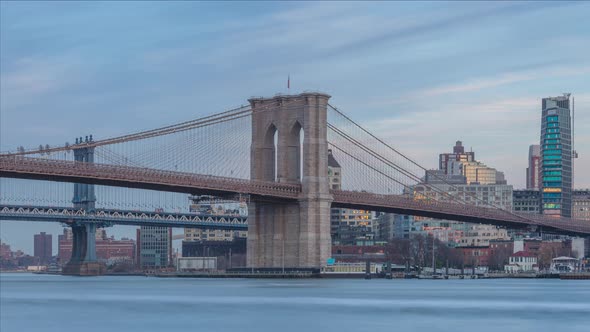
(231, 165)
(376, 61)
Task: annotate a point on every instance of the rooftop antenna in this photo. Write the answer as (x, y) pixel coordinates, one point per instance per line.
(574, 153)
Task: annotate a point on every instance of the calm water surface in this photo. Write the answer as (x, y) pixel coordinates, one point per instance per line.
(58, 303)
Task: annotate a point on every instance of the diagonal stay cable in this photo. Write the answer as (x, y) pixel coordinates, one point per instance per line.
(391, 164)
(420, 166)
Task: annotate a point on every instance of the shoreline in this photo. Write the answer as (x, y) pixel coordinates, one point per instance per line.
(225, 275)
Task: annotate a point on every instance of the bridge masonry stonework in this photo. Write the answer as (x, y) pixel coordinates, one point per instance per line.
(290, 234)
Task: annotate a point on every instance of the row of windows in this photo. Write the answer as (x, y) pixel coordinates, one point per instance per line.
(552, 178)
(551, 162)
(550, 157)
(552, 151)
(553, 118)
(523, 259)
(552, 130)
(552, 206)
(552, 173)
(552, 184)
(553, 167)
(553, 125)
(526, 209)
(551, 195)
(551, 136)
(552, 141)
(526, 203)
(551, 146)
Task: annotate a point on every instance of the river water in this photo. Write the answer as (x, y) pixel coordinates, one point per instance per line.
(58, 303)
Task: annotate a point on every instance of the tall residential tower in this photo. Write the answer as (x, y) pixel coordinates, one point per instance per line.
(556, 157)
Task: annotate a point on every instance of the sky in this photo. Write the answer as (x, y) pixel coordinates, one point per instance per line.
(420, 75)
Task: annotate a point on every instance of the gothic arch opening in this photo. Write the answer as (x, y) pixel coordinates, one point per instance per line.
(295, 153)
(269, 165)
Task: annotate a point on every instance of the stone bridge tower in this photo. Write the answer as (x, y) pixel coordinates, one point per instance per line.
(290, 234)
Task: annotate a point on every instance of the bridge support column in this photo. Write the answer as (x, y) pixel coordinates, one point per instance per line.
(285, 233)
(90, 243)
(83, 261)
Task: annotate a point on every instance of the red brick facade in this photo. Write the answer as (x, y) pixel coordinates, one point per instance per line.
(108, 249)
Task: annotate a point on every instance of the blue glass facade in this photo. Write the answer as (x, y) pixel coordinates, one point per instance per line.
(556, 183)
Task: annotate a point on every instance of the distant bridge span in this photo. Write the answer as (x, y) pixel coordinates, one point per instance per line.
(108, 217)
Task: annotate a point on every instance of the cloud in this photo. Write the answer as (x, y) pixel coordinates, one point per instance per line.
(504, 79)
(439, 21)
(30, 78)
(470, 86)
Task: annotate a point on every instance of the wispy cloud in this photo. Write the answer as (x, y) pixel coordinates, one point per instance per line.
(30, 78)
(481, 84)
(439, 22)
(507, 78)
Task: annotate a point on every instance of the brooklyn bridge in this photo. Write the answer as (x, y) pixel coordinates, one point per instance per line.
(274, 152)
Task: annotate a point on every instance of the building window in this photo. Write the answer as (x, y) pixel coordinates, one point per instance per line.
(552, 173)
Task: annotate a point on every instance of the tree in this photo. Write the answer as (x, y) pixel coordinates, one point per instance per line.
(418, 250)
(397, 251)
(455, 258)
(544, 257)
(499, 257)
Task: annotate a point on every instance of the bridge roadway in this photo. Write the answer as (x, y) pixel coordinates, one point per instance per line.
(459, 212)
(146, 178)
(107, 217)
(141, 178)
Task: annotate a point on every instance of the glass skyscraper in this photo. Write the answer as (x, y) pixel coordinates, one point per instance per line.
(556, 157)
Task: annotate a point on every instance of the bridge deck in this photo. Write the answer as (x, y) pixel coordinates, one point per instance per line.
(453, 211)
(141, 178)
(145, 178)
